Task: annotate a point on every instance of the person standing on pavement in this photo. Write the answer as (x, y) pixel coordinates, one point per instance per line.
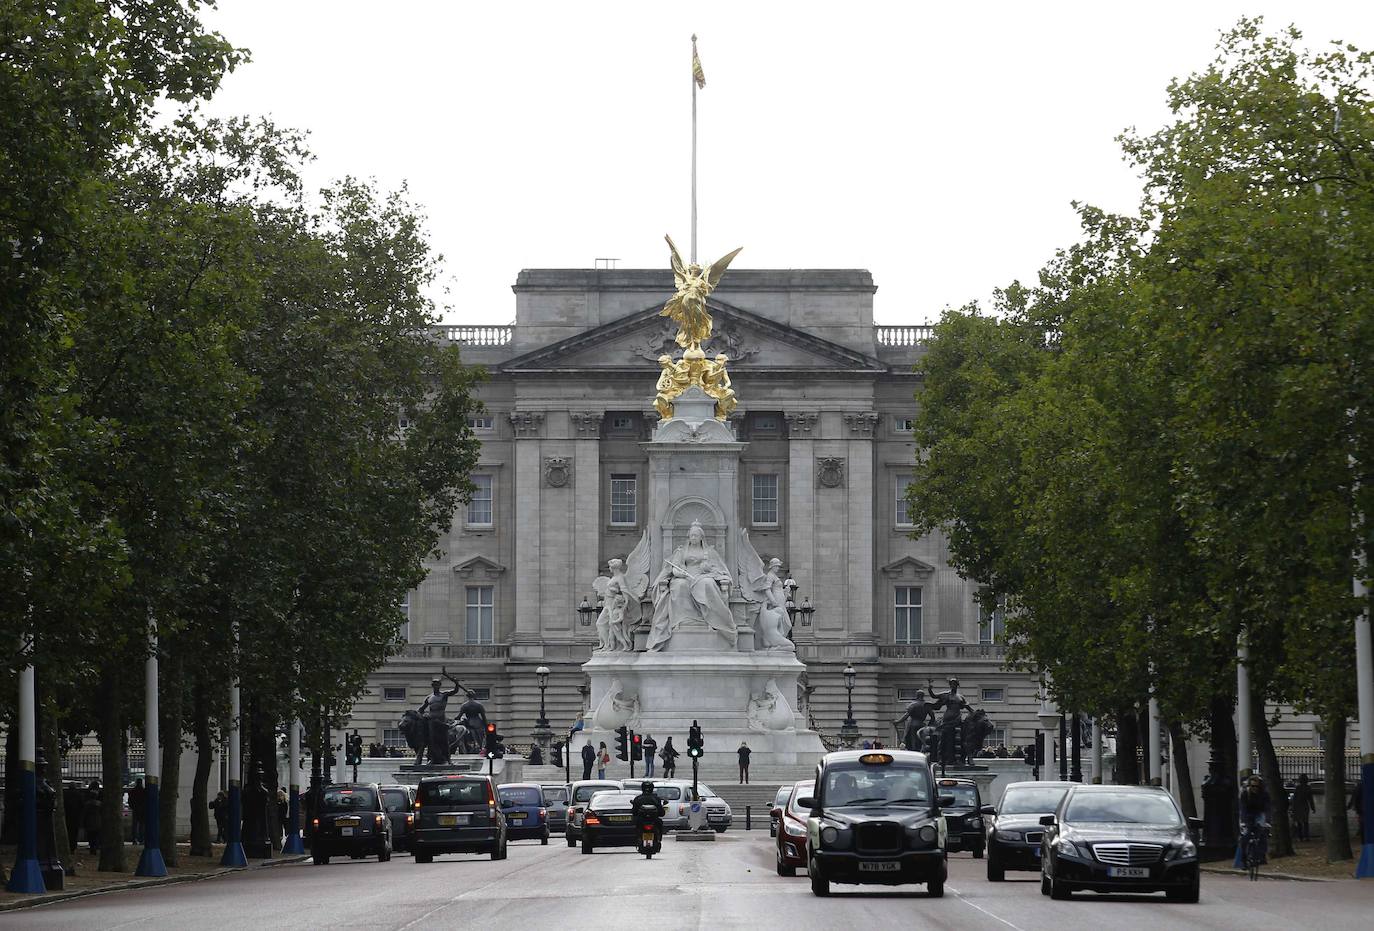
(649, 745)
(743, 752)
(603, 759)
(138, 804)
(588, 758)
(90, 816)
(1303, 806)
(220, 808)
(669, 757)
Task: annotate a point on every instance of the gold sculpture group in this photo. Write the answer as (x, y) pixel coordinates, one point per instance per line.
(687, 308)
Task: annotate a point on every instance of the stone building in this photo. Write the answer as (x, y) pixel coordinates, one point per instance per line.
(825, 401)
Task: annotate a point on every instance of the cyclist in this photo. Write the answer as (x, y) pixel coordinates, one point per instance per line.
(1254, 812)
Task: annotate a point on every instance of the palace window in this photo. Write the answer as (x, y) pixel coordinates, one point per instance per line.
(479, 507)
(994, 694)
(480, 423)
(404, 606)
(391, 738)
(906, 614)
(622, 423)
(765, 423)
(903, 424)
(624, 504)
(901, 484)
(483, 694)
(991, 622)
(394, 693)
(480, 614)
(907, 694)
(766, 498)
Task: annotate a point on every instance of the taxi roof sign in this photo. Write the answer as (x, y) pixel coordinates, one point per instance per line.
(876, 759)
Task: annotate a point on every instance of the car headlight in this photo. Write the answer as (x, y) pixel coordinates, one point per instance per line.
(1183, 850)
(1067, 848)
(975, 822)
(1012, 836)
(830, 836)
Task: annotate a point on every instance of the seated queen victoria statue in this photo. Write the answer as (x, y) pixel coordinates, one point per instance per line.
(692, 589)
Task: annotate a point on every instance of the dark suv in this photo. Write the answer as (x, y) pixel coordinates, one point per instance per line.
(523, 805)
(350, 822)
(963, 819)
(1015, 835)
(875, 818)
(399, 802)
(457, 814)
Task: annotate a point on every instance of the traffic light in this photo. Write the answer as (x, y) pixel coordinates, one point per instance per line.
(958, 736)
(353, 750)
(1039, 748)
(636, 751)
(495, 749)
(622, 743)
(695, 745)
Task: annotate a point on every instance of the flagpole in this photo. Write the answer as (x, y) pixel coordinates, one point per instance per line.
(694, 154)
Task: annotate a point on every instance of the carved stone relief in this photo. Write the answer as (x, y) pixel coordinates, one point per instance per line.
(527, 423)
(557, 471)
(830, 471)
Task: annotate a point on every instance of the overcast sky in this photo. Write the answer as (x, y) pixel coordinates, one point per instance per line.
(938, 146)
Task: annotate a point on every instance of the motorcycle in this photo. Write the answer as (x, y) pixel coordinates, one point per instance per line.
(649, 825)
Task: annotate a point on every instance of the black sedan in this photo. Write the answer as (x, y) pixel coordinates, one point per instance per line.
(963, 819)
(609, 821)
(1015, 835)
(1119, 839)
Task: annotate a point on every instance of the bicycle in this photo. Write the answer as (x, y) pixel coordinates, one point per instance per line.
(1252, 838)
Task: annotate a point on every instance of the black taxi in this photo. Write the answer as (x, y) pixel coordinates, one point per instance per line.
(350, 822)
(963, 818)
(875, 818)
(457, 814)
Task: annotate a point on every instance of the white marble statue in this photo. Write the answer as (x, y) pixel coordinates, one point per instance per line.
(764, 588)
(692, 588)
(616, 709)
(621, 593)
(769, 710)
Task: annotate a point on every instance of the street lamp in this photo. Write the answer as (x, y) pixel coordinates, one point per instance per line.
(542, 674)
(585, 611)
(1049, 717)
(806, 610)
(849, 731)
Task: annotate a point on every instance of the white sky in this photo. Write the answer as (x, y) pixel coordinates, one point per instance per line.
(939, 147)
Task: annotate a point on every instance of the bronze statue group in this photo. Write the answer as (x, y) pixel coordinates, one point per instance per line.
(934, 734)
(435, 738)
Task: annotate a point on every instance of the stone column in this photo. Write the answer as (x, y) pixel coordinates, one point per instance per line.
(802, 429)
(859, 428)
(528, 428)
(587, 513)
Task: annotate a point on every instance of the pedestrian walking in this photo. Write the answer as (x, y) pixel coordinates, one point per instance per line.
(649, 745)
(588, 758)
(603, 759)
(219, 807)
(669, 757)
(1303, 806)
(138, 805)
(743, 752)
(90, 816)
(283, 806)
(1356, 804)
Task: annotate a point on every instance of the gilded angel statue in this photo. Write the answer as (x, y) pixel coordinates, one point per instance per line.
(621, 593)
(687, 307)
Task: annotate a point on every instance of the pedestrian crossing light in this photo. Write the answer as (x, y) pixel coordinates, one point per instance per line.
(495, 749)
(636, 751)
(695, 745)
(622, 743)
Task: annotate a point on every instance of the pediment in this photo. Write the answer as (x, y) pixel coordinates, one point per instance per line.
(753, 343)
(908, 567)
(478, 567)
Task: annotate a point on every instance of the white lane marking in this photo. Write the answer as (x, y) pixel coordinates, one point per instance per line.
(962, 898)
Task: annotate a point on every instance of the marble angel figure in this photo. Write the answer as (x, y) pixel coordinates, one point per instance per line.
(692, 588)
(764, 588)
(621, 593)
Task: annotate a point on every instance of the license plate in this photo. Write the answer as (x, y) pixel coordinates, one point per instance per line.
(647, 837)
(449, 821)
(347, 832)
(517, 816)
(619, 818)
(1128, 872)
(881, 866)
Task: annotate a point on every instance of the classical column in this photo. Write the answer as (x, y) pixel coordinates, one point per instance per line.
(860, 427)
(528, 427)
(586, 506)
(801, 490)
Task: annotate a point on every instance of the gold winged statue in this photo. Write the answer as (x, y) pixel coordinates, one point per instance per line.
(687, 308)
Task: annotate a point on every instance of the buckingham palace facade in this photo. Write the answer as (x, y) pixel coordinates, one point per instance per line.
(825, 405)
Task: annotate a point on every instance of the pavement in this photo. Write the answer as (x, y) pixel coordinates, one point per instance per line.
(727, 884)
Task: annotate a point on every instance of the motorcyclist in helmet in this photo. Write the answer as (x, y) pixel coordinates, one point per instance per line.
(647, 807)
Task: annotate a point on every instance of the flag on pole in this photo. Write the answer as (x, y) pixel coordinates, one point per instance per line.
(697, 74)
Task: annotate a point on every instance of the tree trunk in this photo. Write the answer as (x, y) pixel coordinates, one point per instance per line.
(1279, 823)
(170, 726)
(1337, 829)
(1127, 743)
(52, 749)
(200, 786)
(110, 728)
(1182, 770)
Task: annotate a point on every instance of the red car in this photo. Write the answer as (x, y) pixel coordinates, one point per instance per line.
(792, 831)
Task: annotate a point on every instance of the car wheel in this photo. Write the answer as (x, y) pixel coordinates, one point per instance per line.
(996, 872)
(320, 860)
(1044, 883)
(424, 858)
(1059, 890)
(384, 855)
(544, 841)
(977, 853)
(784, 870)
(820, 886)
(571, 842)
(720, 830)
(586, 845)
(936, 888)
(1186, 894)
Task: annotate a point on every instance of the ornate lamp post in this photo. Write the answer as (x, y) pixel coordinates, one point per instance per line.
(585, 611)
(1049, 718)
(849, 731)
(543, 734)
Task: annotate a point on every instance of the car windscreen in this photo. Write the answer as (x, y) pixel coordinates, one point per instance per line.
(964, 796)
(606, 799)
(455, 792)
(781, 798)
(803, 790)
(668, 793)
(1031, 801)
(1122, 808)
(584, 793)
(706, 791)
(894, 783)
(555, 794)
(519, 795)
(395, 799)
(345, 800)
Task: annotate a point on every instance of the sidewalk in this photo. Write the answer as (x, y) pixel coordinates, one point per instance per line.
(1308, 864)
(90, 881)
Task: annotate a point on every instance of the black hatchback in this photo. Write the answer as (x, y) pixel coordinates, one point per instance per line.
(1119, 839)
(963, 819)
(457, 814)
(350, 822)
(1015, 835)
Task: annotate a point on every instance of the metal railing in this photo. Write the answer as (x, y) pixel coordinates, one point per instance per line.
(455, 651)
(905, 335)
(943, 651)
(479, 335)
(1310, 761)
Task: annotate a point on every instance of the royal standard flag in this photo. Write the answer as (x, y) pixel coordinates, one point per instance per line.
(697, 74)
